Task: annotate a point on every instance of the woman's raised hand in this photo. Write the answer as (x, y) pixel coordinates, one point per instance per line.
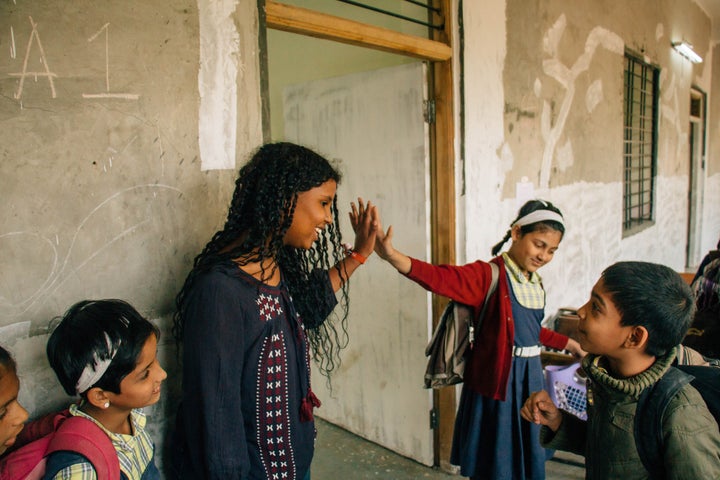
(365, 222)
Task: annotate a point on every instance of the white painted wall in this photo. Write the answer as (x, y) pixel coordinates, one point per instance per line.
(484, 217)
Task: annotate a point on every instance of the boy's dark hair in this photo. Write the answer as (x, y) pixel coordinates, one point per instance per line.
(92, 330)
(652, 296)
(261, 211)
(7, 364)
(529, 207)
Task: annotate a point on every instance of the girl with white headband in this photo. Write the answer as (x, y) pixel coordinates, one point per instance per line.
(490, 439)
(105, 352)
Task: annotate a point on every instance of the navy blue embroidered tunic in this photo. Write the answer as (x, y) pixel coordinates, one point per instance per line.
(246, 371)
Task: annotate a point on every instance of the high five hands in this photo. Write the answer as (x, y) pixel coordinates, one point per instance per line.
(383, 240)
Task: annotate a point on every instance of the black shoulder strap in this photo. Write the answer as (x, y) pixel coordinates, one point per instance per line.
(649, 417)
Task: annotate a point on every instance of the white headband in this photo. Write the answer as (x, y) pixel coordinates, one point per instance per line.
(539, 216)
(94, 372)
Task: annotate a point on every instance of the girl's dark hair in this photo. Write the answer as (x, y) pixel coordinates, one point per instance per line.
(7, 364)
(653, 296)
(529, 207)
(93, 329)
(260, 213)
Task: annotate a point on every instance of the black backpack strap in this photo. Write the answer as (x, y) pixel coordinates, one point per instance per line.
(649, 418)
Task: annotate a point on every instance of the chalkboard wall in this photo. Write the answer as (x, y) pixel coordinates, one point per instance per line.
(101, 185)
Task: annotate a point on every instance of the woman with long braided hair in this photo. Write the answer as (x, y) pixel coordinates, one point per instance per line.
(259, 299)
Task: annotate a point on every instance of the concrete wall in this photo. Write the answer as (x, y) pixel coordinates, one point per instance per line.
(711, 216)
(119, 133)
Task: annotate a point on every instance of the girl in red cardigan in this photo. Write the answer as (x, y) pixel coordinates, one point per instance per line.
(490, 440)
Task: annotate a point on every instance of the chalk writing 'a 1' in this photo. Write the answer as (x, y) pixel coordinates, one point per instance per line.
(35, 40)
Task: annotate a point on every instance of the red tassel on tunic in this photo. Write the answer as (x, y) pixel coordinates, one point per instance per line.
(307, 405)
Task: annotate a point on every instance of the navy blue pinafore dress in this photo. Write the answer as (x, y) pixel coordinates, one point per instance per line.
(491, 440)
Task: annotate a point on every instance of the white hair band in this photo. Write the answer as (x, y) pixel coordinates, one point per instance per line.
(539, 216)
(94, 372)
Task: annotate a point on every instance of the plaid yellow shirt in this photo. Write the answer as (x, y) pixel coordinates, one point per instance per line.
(134, 451)
(529, 293)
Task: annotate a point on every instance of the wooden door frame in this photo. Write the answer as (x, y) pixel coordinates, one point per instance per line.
(437, 51)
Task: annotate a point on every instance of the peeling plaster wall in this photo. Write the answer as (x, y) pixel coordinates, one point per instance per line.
(561, 95)
(105, 188)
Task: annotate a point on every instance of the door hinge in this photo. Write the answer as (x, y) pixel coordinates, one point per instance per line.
(429, 111)
(433, 419)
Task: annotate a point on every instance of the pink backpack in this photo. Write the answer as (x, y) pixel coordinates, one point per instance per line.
(56, 432)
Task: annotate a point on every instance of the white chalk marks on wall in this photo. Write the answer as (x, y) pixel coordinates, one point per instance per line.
(13, 51)
(63, 267)
(45, 71)
(129, 96)
(567, 76)
(34, 38)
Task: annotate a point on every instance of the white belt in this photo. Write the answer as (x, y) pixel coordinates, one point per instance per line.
(533, 351)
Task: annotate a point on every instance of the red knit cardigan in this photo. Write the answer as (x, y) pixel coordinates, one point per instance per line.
(488, 369)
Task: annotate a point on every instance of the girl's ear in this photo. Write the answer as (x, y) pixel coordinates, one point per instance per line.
(97, 397)
(638, 337)
(515, 233)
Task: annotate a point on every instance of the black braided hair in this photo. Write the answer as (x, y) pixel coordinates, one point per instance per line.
(260, 213)
(529, 207)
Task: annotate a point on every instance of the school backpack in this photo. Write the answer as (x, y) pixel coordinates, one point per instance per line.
(57, 432)
(454, 333)
(653, 401)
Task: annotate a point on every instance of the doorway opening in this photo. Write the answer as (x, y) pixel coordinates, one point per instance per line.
(696, 151)
(315, 18)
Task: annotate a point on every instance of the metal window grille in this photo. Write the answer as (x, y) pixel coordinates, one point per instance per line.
(640, 143)
(425, 8)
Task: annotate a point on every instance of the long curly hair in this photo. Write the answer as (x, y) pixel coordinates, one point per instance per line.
(260, 213)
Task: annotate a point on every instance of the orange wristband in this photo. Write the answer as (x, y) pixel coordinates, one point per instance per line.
(352, 253)
(357, 256)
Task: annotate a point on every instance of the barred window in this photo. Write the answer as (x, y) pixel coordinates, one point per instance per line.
(640, 143)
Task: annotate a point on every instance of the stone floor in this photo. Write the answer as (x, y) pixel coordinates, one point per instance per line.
(341, 455)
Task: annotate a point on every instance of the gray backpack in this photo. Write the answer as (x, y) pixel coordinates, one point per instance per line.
(454, 333)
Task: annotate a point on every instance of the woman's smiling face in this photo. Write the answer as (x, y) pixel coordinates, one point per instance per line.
(313, 212)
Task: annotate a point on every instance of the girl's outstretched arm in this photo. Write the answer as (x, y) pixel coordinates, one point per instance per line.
(575, 349)
(365, 222)
(385, 250)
